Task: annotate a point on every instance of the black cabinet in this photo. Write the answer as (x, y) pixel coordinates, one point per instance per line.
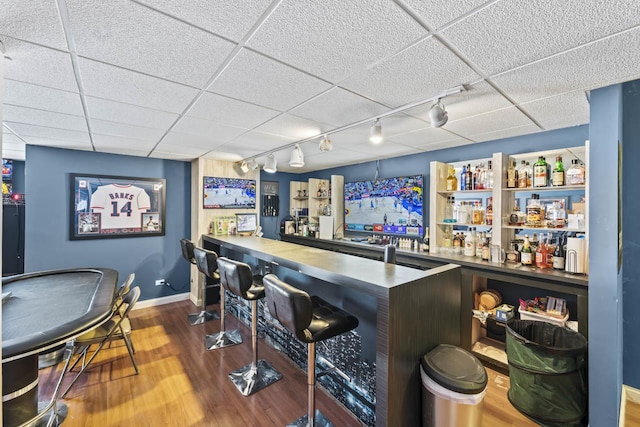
(12, 239)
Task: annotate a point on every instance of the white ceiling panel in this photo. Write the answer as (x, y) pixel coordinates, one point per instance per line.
(114, 111)
(339, 107)
(332, 38)
(564, 122)
(126, 34)
(259, 80)
(15, 154)
(421, 137)
(573, 105)
(417, 73)
(259, 140)
(42, 98)
(228, 18)
(335, 158)
(109, 82)
(206, 128)
(123, 151)
(398, 124)
(199, 143)
(384, 149)
(182, 149)
(585, 68)
(294, 127)
(111, 142)
(488, 122)
(12, 147)
(58, 143)
(477, 99)
(222, 109)
(444, 144)
(506, 133)
(105, 127)
(38, 65)
(32, 132)
(220, 154)
(172, 156)
(512, 33)
(437, 13)
(30, 116)
(36, 21)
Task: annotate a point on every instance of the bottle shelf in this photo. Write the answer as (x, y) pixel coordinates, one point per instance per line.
(486, 190)
(538, 189)
(301, 198)
(524, 227)
(320, 198)
(464, 224)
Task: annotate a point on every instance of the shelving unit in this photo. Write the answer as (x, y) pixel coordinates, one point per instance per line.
(313, 202)
(297, 202)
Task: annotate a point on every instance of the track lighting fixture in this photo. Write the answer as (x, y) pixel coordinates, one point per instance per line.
(270, 164)
(326, 144)
(438, 115)
(244, 167)
(253, 165)
(375, 133)
(297, 157)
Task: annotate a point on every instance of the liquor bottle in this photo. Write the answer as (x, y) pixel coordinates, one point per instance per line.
(559, 255)
(557, 176)
(534, 212)
(550, 250)
(486, 251)
(448, 210)
(512, 175)
(425, 240)
(470, 243)
(488, 181)
(540, 173)
(513, 256)
(452, 181)
(576, 174)
(488, 217)
(468, 184)
(523, 176)
(479, 243)
(463, 178)
(457, 244)
(529, 170)
(526, 254)
(478, 214)
(541, 254)
(476, 178)
(447, 239)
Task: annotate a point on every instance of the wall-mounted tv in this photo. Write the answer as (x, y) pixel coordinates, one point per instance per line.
(7, 169)
(229, 193)
(386, 205)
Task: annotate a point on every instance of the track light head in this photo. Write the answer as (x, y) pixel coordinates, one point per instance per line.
(438, 115)
(244, 167)
(326, 144)
(297, 157)
(253, 165)
(270, 165)
(375, 133)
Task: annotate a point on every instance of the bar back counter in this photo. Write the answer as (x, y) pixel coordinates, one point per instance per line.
(413, 310)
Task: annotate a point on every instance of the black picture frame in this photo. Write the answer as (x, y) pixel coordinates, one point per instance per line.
(109, 206)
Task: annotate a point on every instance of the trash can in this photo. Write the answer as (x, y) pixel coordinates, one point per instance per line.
(547, 372)
(454, 384)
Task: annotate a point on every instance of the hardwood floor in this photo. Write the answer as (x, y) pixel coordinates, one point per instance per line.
(183, 384)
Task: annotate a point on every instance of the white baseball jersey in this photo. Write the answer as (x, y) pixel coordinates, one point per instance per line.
(120, 205)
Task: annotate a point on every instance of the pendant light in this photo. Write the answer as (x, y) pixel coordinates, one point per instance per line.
(270, 165)
(375, 133)
(297, 157)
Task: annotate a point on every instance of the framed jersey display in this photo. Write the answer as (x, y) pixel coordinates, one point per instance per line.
(106, 206)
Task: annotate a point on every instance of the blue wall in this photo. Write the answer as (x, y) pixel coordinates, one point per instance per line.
(631, 231)
(271, 224)
(18, 176)
(47, 244)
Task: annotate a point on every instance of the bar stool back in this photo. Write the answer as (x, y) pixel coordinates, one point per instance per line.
(207, 263)
(188, 248)
(310, 319)
(237, 278)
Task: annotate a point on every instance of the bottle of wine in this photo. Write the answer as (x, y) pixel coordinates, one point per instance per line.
(425, 240)
(559, 255)
(541, 254)
(526, 254)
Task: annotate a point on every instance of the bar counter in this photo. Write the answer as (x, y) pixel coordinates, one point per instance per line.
(416, 310)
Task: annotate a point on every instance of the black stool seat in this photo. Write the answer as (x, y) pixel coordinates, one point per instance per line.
(310, 319)
(188, 249)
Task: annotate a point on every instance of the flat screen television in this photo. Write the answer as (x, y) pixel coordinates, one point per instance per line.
(386, 205)
(246, 222)
(229, 193)
(7, 170)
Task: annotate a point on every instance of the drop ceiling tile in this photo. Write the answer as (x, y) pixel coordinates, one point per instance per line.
(222, 109)
(42, 98)
(125, 131)
(572, 105)
(36, 21)
(384, 149)
(427, 135)
(11, 141)
(31, 132)
(332, 38)
(399, 124)
(123, 33)
(339, 107)
(610, 61)
(59, 143)
(506, 133)
(229, 18)
(259, 140)
(38, 65)
(111, 142)
(564, 122)
(489, 122)
(172, 156)
(30, 116)
(293, 127)
(337, 157)
(508, 34)
(439, 12)
(182, 149)
(15, 154)
(206, 128)
(479, 98)
(109, 82)
(123, 151)
(219, 154)
(422, 71)
(189, 140)
(114, 111)
(443, 145)
(257, 79)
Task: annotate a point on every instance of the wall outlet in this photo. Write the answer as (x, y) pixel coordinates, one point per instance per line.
(160, 282)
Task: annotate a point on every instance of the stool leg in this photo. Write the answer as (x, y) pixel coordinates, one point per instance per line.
(259, 373)
(313, 418)
(204, 315)
(223, 338)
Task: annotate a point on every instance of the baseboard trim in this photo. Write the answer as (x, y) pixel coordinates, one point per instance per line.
(161, 301)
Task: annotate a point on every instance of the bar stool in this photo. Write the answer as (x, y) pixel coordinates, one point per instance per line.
(207, 263)
(204, 316)
(237, 278)
(310, 319)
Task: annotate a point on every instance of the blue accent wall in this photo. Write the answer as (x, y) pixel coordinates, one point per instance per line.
(18, 176)
(271, 224)
(47, 244)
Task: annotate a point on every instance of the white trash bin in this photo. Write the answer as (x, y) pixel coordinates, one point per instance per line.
(454, 385)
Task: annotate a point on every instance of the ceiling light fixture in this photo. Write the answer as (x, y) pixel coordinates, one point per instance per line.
(438, 115)
(244, 167)
(253, 165)
(326, 144)
(270, 165)
(297, 157)
(375, 133)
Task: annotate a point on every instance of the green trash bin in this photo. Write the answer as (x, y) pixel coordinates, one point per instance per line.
(547, 371)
